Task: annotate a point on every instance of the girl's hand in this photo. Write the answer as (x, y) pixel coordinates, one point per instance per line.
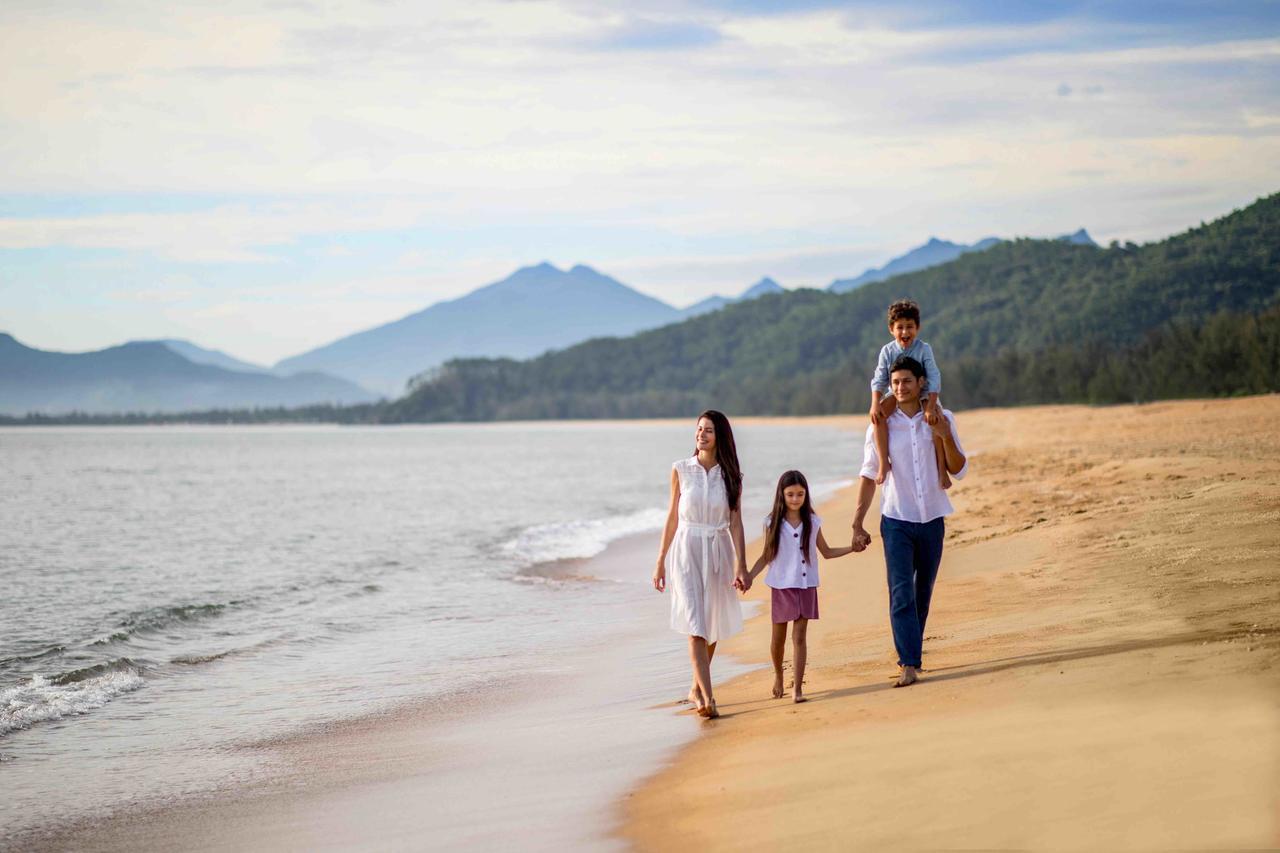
(660, 578)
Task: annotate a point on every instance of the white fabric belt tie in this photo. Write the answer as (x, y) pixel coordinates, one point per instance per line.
(705, 532)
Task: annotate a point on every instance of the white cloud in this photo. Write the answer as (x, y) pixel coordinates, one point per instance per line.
(224, 234)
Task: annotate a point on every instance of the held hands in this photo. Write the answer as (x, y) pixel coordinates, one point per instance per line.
(742, 580)
(861, 538)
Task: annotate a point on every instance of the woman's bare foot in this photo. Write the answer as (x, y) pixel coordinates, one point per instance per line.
(695, 698)
(708, 710)
(777, 687)
(907, 678)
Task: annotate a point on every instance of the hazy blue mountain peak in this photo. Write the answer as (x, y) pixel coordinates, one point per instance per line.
(933, 252)
(1079, 238)
(762, 287)
(534, 309)
(202, 355)
(148, 376)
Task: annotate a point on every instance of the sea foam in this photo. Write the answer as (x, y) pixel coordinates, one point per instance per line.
(579, 539)
(42, 698)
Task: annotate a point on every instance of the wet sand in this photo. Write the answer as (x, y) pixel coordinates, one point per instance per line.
(1102, 659)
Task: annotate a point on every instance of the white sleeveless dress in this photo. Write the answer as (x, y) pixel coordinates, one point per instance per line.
(700, 560)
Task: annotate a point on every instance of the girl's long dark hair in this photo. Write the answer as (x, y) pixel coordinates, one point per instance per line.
(726, 456)
(773, 524)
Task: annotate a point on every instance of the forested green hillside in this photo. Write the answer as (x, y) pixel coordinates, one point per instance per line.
(1028, 321)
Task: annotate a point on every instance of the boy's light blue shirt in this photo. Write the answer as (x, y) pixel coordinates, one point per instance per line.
(918, 350)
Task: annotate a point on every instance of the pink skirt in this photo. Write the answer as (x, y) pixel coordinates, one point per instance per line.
(792, 604)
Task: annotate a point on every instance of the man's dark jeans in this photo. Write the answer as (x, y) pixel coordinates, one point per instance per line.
(912, 553)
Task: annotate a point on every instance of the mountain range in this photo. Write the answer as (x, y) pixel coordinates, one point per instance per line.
(534, 310)
(763, 287)
(932, 254)
(149, 376)
(1023, 321)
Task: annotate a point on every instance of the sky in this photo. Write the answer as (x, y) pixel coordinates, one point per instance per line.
(265, 177)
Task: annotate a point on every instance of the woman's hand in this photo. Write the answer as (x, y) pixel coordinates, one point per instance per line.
(660, 577)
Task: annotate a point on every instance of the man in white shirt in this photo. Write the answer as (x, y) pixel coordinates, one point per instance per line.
(913, 507)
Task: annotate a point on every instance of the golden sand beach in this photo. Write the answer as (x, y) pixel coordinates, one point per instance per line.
(1101, 659)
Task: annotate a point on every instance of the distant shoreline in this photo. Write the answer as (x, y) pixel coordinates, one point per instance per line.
(267, 417)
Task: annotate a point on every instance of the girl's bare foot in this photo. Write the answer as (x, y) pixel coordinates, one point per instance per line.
(777, 687)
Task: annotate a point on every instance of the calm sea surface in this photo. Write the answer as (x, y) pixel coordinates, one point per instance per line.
(167, 594)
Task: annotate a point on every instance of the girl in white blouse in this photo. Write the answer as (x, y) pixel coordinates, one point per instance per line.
(792, 540)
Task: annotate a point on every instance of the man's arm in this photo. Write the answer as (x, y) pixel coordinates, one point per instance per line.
(957, 462)
(866, 491)
(867, 486)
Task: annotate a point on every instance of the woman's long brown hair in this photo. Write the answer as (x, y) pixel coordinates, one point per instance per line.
(726, 456)
(773, 524)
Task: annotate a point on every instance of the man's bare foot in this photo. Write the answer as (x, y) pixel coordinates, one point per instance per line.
(798, 697)
(885, 467)
(777, 687)
(907, 678)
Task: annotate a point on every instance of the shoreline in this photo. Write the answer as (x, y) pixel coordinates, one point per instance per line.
(1106, 573)
(428, 772)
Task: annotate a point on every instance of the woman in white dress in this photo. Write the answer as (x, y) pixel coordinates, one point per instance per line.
(701, 544)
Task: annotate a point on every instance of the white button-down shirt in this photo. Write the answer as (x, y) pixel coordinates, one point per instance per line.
(911, 492)
(790, 569)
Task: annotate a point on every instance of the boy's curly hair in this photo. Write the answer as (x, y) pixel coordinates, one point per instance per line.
(904, 309)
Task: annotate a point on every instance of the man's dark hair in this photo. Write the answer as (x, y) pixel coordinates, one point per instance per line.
(904, 309)
(906, 362)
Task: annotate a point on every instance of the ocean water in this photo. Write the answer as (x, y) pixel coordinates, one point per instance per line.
(172, 595)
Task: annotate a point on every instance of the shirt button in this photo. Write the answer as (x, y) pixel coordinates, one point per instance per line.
(796, 535)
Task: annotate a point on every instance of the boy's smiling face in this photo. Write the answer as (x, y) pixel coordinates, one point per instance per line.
(904, 332)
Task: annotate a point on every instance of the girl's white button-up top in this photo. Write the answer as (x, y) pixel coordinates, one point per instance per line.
(790, 569)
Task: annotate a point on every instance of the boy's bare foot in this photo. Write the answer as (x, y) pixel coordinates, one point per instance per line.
(907, 678)
(883, 473)
(777, 687)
